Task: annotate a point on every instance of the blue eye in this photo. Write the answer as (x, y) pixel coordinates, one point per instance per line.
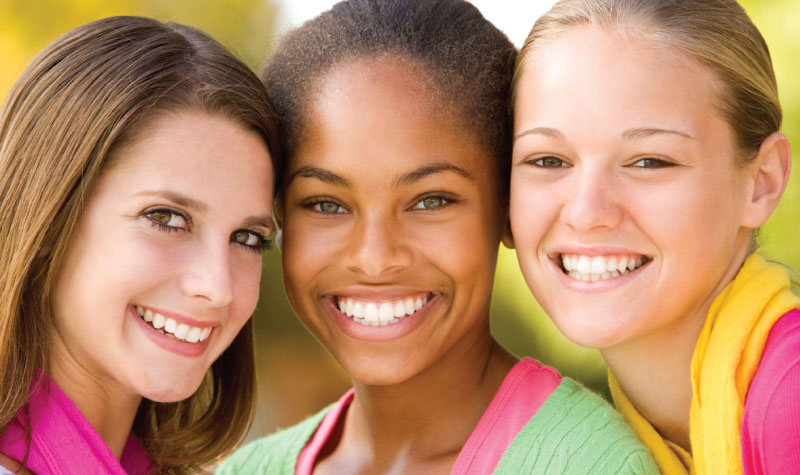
(431, 202)
(167, 219)
(651, 162)
(251, 240)
(549, 162)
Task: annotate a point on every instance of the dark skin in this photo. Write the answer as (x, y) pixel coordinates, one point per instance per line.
(387, 198)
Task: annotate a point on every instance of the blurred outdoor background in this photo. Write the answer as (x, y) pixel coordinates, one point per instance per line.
(297, 377)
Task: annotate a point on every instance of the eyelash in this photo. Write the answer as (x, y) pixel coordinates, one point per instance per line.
(263, 242)
(539, 162)
(447, 199)
(658, 162)
(315, 203)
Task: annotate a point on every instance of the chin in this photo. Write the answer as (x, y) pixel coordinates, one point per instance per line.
(171, 388)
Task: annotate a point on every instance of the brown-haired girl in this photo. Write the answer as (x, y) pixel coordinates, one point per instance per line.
(135, 201)
(392, 206)
(646, 153)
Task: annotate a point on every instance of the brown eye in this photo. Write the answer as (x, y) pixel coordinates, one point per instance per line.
(250, 240)
(167, 219)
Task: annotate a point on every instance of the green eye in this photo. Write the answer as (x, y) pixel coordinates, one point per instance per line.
(328, 207)
(431, 202)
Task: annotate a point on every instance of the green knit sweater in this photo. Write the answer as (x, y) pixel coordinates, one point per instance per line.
(574, 432)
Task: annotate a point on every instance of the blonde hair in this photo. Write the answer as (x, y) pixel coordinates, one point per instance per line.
(717, 34)
(90, 91)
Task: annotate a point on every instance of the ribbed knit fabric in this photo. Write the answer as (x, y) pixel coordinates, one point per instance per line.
(771, 422)
(275, 454)
(574, 432)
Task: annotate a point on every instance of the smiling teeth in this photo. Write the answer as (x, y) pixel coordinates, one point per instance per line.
(380, 313)
(168, 326)
(595, 268)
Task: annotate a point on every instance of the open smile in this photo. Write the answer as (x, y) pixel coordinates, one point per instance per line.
(381, 312)
(597, 268)
(171, 327)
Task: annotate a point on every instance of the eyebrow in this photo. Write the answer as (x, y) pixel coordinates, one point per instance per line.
(648, 131)
(547, 131)
(178, 199)
(428, 170)
(326, 176)
(331, 178)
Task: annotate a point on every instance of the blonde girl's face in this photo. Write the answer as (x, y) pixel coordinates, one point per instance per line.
(163, 269)
(626, 200)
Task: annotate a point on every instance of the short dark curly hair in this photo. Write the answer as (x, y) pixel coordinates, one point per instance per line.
(469, 63)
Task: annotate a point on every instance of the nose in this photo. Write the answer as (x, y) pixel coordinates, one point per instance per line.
(208, 275)
(591, 203)
(376, 247)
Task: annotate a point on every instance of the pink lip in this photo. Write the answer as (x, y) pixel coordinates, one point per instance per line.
(391, 332)
(183, 348)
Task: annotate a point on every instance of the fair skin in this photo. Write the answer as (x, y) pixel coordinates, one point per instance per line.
(388, 202)
(158, 237)
(621, 155)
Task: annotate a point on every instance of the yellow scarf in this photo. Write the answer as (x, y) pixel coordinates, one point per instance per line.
(725, 359)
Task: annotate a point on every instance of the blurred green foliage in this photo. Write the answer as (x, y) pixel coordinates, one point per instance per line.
(297, 376)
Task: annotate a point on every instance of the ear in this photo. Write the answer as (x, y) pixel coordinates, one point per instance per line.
(770, 173)
(508, 237)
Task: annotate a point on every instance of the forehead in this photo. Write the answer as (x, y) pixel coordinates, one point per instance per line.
(588, 74)
(383, 113)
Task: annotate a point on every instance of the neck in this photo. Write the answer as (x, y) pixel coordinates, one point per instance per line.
(109, 409)
(654, 370)
(425, 421)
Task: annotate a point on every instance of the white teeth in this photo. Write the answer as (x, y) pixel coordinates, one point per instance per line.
(371, 312)
(158, 321)
(379, 313)
(386, 312)
(595, 268)
(193, 336)
(409, 303)
(584, 264)
(168, 326)
(623, 264)
(181, 331)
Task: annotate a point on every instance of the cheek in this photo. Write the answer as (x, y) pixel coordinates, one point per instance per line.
(247, 279)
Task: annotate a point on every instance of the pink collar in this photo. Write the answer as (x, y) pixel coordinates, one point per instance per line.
(63, 441)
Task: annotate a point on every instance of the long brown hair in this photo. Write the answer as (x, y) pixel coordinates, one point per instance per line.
(88, 92)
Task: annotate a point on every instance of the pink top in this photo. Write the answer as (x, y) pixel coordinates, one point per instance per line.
(523, 391)
(64, 442)
(771, 421)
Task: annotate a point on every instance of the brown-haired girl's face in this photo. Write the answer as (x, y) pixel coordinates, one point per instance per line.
(164, 265)
(627, 205)
(391, 225)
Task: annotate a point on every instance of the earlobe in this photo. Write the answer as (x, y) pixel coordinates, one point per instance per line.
(508, 237)
(770, 176)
